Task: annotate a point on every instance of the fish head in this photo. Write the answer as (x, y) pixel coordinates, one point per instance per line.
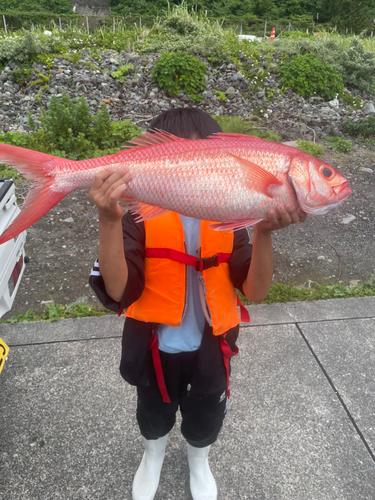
(318, 186)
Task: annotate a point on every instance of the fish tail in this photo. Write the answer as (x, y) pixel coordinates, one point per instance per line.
(40, 167)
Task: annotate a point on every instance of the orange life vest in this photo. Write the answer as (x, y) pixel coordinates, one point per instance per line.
(163, 298)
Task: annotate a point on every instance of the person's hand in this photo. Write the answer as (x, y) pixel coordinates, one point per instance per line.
(283, 216)
(106, 188)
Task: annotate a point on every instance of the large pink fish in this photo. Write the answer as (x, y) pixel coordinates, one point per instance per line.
(229, 178)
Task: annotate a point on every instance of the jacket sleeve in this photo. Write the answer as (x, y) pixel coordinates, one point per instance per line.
(240, 259)
(134, 248)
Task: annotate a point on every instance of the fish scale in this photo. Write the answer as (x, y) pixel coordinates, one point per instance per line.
(229, 178)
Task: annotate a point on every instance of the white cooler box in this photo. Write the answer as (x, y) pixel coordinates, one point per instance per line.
(12, 253)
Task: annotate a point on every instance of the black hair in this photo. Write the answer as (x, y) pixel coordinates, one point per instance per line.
(186, 123)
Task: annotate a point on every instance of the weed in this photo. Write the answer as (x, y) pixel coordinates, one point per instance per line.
(338, 144)
(290, 293)
(56, 312)
(21, 74)
(363, 129)
(310, 148)
(221, 96)
(351, 100)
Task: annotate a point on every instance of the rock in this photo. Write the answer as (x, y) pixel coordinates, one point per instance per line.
(348, 219)
(368, 170)
(369, 109)
(230, 90)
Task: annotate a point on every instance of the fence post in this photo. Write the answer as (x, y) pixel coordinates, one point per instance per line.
(372, 33)
(265, 28)
(5, 25)
(32, 26)
(346, 30)
(289, 26)
(140, 23)
(114, 25)
(241, 29)
(60, 23)
(87, 25)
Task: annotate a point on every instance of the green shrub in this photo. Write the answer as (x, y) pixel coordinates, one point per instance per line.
(362, 129)
(22, 74)
(351, 100)
(22, 49)
(180, 71)
(310, 148)
(236, 125)
(338, 144)
(307, 75)
(358, 67)
(69, 130)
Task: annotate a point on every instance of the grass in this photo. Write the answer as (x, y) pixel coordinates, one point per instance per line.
(56, 312)
(278, 293)
(290, 293)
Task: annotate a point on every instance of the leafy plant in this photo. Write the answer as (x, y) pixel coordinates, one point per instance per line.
(310, 148)
(358, 67)
(307, 75)
(363, 129)
(338, 144)
(351, 100)
(120, 76)
(44, 79)
(221, 96)
(21, 74)
(180, 71)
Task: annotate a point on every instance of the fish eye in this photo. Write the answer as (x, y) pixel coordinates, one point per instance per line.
(327, 172)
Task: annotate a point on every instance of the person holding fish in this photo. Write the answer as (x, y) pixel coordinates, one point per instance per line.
(173, 261)
(175, 278)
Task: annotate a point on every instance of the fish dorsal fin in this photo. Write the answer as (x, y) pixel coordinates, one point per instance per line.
(153, 138)
(257, 175)
(225, 135)
(234, 225)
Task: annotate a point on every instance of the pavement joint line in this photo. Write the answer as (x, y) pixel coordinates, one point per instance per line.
(306, 322)
(357, 429)
(63, 341)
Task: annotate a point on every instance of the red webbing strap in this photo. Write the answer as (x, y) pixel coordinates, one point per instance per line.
(245, 316)
(189, 260)
(227, 354)
(154, 347)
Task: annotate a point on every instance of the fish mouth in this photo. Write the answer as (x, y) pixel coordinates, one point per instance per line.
(342, 191)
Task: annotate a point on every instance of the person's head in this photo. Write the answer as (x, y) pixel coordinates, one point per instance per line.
(187, 123)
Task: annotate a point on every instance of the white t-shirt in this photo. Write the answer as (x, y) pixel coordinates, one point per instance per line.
(187, 336)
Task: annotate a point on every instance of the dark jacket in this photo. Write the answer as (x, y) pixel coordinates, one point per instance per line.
(136, 360)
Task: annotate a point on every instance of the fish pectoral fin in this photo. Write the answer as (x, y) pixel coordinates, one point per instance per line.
(257, 175)
(234, 225)
(144, 211)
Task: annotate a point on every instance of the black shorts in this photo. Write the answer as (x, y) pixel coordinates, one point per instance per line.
(202, 416)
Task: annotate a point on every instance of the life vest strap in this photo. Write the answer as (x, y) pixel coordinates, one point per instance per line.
(154, 347)
(200, 264)
(227, 354)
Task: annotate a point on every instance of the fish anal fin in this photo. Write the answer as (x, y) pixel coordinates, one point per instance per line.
(145, 211)
(257, 175)
(153, 138)
(234, 225)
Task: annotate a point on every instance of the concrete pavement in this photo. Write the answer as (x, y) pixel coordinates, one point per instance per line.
(300, 423)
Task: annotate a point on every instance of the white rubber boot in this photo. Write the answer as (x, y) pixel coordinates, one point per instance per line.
(202, 482)
(146, 479)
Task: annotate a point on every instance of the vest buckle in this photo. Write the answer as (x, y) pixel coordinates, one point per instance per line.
(206, 262)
